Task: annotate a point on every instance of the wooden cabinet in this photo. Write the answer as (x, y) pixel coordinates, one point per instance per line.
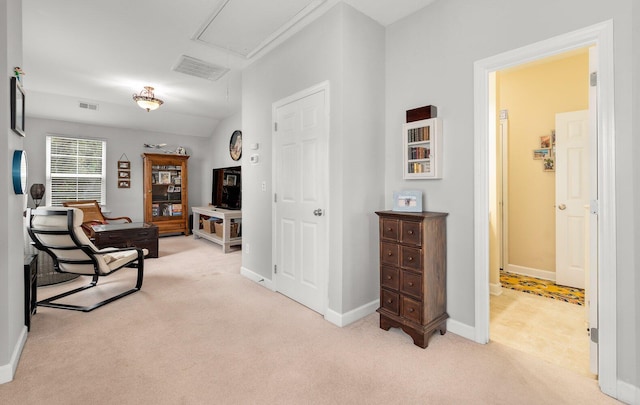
(422, 149)
(413, 270)
(137, 234)
(165, 192)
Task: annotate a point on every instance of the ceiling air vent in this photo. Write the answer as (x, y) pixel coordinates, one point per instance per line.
(199, 68)
(88, 106)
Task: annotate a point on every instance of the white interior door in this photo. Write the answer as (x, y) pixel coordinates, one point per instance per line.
(572, 194)
(300, 170)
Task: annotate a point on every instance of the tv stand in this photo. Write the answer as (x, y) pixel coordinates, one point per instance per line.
(225, 240)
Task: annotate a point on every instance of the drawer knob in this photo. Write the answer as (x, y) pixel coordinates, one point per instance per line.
(410, 232)
(411, 309)
(388, 277)
(410, 283)
(389, 301)
(389, 229)
(389, 253)
(410, 258)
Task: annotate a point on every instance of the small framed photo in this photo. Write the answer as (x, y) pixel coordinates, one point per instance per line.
(407, 200)
(17, 107)
(549, 165)
(171, 189)
(164, 177)
(177, 180)
(545, 142)
(124, 184)
(539, 154)
(123, 174)
(124, 165)
(177, 189)
(231, 180)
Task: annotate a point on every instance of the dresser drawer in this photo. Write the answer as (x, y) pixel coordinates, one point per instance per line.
(411, 258)
(411, 232)
(411, 284)
(389, 254)
(390, 277)
(411, 310)
(389, 229)
(390, 301)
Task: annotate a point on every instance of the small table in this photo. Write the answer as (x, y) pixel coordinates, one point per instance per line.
(134, 234)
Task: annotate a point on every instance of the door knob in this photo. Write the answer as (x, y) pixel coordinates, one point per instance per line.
(562, 207)
(318, 212)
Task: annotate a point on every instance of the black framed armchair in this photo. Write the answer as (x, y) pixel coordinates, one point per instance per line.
(59, 232)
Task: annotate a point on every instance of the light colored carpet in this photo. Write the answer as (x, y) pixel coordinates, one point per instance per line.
(200, 333)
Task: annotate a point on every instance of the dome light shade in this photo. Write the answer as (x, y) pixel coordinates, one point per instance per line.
(147, 100)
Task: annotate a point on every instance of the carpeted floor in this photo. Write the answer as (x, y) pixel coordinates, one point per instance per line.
(200, 333)
(543, 288)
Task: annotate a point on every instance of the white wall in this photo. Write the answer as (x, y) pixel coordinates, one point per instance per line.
(120, 201)
(12, 329)
(430, 58)
(218, 153)
(346, 49)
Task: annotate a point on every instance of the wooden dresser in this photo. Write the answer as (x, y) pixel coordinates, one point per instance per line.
(413, 270)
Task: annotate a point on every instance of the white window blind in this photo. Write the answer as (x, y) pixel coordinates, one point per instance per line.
(75, 170)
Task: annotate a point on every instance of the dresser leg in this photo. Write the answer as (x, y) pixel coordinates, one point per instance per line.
(385, 324)
(443, 328)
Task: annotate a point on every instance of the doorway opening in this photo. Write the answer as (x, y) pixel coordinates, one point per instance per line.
(602, 200)
(531, 245)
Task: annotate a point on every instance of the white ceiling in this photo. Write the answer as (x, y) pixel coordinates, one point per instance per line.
(101, 52)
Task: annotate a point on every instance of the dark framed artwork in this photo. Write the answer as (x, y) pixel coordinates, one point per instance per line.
(17, 107)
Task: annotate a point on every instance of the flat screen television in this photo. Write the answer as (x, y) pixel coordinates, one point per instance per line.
(226, 188)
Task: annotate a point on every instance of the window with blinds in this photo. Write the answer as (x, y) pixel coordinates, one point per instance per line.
(75, 170)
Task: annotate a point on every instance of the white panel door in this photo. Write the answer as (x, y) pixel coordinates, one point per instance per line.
(572, 194)
(300, 156)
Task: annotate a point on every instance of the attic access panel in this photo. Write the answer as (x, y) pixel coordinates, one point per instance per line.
(247, 26)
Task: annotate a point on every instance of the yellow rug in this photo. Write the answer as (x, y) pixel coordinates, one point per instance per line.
(543, 288)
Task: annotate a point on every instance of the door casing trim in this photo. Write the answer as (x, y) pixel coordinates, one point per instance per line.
(600, 35)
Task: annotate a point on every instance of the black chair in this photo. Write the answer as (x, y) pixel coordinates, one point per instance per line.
(58, 232)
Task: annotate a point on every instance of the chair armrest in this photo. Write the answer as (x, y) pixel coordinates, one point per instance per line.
(127, 219)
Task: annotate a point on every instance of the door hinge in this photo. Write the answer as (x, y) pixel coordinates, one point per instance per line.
(593, 79)
(593, 207)
(275, 126)
(275, 197)
(275, 269)
(593, 332)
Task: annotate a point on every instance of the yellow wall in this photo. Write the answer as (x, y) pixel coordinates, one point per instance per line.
(533, 94)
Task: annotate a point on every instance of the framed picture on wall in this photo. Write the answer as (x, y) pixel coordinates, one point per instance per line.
(17, 107)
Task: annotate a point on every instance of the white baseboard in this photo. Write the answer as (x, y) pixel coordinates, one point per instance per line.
(461, 329)
(7, 371)
(528, 271)
(351, 316)
(251, 275)
(495, 289)
(628, 393)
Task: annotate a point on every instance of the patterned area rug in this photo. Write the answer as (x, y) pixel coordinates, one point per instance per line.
(543, 288)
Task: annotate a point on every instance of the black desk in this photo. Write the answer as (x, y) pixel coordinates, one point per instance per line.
(30, 288)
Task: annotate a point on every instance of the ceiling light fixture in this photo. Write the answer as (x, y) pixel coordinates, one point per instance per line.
(147, 100)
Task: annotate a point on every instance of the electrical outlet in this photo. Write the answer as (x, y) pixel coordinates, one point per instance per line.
(246, 248)
(264, 186)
